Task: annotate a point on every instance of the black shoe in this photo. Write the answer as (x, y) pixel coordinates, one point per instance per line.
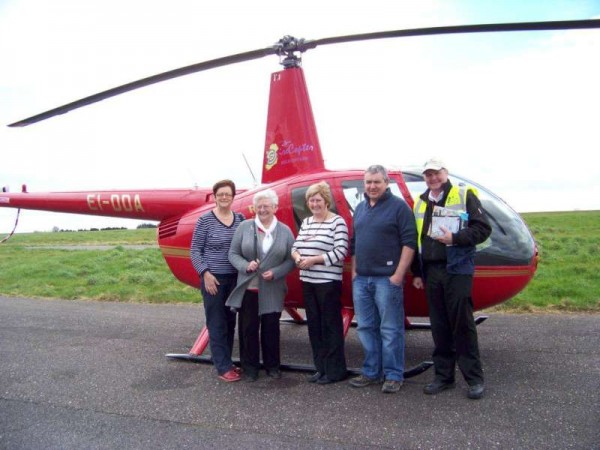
(325, 380)
(314, 377)
(438, 386)
(274, 373)
(475, 392)
(250, 377)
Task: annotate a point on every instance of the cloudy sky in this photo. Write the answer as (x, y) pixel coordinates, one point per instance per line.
(516, 112)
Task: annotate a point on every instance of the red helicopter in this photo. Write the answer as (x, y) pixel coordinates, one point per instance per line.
(292, 161)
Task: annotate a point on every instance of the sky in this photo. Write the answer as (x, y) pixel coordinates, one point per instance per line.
(515, 112)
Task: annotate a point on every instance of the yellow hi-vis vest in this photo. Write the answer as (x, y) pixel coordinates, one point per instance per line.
(457, 200)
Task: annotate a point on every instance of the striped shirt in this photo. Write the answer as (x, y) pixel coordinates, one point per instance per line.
(210, 244)
(328, 238)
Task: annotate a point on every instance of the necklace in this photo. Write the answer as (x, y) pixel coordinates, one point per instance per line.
(315, 232)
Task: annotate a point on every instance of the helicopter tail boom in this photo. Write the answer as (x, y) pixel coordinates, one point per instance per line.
(139, 204)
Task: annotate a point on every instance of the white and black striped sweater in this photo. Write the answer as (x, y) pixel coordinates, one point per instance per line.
(328, 238)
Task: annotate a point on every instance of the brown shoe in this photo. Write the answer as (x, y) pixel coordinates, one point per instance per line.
(391, 386)
(363, 381)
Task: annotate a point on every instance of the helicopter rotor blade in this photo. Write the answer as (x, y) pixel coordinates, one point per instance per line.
(288, 45)
(461, 29)
(187, 70)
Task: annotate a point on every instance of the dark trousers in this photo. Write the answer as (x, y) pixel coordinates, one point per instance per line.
(220, 322)
(250, 324)
(325, 327)
(452, 325)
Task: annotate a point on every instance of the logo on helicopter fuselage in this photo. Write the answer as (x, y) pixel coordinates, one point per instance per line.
(290, 153)
(271, 159)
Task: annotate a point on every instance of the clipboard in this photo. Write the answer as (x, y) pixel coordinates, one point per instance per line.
(452, 219)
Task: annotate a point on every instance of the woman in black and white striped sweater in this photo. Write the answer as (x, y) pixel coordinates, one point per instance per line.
(319, 252)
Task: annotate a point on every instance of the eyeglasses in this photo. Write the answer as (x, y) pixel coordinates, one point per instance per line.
(224, 195)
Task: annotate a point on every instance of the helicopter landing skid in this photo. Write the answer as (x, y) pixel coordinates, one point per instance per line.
(412, 372)
(427, 326)
(408, 324)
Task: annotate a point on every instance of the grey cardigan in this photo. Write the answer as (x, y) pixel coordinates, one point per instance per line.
(278, 259)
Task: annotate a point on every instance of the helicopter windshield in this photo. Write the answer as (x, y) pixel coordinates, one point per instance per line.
(510, 243)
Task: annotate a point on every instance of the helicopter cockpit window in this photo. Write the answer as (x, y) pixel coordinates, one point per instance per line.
(354, 190)
(510, 242)
(300, 207)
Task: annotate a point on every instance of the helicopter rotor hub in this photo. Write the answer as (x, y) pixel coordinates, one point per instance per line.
(290, 51)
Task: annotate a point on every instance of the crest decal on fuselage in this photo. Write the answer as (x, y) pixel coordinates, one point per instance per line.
(271, 156)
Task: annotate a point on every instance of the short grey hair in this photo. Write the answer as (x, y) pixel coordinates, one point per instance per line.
(268, 194)
(376, 168)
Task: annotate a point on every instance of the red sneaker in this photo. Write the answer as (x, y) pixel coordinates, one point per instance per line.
(238, 370)
(230, 376)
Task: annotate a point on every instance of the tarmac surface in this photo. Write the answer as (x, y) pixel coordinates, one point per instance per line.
(93, 375)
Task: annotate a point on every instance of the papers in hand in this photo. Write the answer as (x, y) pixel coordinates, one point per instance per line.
(451, 219)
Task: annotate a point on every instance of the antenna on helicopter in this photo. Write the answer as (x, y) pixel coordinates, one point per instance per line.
(193, 178)
(9, 235)
(250, 169)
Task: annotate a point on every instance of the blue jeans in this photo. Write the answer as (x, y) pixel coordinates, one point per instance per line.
(379, 308)
(220, 322)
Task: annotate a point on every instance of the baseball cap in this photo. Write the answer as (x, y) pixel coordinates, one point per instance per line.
(434, 164)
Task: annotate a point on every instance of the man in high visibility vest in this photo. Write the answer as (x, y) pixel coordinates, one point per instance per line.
(444, 267)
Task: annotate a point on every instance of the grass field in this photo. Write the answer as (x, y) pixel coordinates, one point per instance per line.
(568, 274)
(31, 266)
(567, 278)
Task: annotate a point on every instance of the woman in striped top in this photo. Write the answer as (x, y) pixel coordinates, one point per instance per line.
(319, 252)
(209, 253)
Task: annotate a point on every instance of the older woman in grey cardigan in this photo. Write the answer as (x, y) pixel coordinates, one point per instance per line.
(261, 253)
